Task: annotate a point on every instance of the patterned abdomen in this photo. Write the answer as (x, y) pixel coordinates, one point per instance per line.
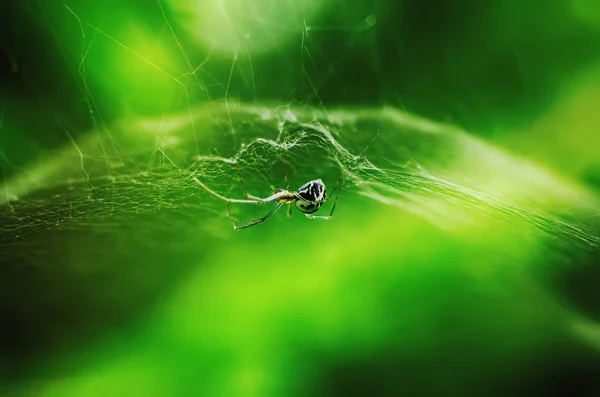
(308, 208)
(311, 196)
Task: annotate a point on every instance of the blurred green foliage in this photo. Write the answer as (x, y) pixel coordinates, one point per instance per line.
(119, 277)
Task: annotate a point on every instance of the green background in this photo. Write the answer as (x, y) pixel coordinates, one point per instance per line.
(462, 258)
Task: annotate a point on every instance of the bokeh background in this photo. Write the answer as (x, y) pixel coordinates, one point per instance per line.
(463, 256)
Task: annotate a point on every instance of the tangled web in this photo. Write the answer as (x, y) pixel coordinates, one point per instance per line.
(144, 169)
(139, 174)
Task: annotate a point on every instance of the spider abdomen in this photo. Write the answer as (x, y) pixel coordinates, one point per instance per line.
(311, 196)
(308, 208)
(312, 192)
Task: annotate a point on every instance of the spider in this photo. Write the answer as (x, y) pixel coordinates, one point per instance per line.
(309, 198)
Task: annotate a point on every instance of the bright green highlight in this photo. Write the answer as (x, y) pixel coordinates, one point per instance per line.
(237, 26)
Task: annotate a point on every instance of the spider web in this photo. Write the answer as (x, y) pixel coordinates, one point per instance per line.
(88, 185)
(120, 197)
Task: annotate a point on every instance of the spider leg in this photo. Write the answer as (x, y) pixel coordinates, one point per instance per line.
(239, 175)
(320, 217)
(338, 187)
(338, 184)
(232, 218)
(257, 200)
(258, 220)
